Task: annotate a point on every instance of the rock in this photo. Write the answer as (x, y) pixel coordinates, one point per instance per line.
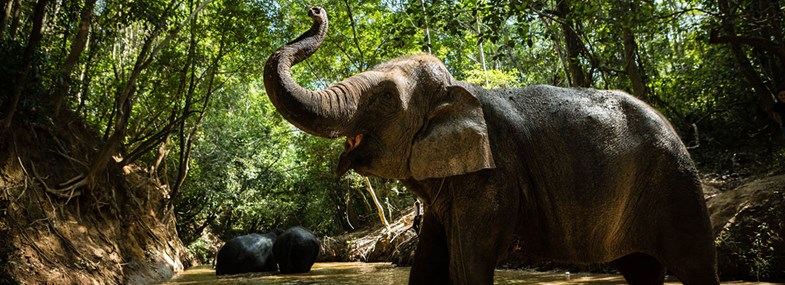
(749, 227)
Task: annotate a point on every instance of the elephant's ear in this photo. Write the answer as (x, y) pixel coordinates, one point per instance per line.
(454, 139)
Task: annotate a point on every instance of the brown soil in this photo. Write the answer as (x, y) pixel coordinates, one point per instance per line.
(112, 232)
(749, 226)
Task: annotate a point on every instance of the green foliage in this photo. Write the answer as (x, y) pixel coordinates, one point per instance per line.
(492, 78)
(10, 66)
(200, 250)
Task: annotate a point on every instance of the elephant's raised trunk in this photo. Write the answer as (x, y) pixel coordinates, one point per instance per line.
(325, 113)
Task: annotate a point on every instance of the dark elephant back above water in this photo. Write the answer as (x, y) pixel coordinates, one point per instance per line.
(580, 175)
(296, 250)
(247, 253)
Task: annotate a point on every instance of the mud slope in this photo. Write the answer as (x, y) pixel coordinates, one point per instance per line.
(110, 233)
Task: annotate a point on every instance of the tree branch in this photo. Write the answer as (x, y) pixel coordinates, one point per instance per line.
(716, 38)
(354, 30)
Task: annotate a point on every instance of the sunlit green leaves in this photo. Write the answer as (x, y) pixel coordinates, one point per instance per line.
(492, 78)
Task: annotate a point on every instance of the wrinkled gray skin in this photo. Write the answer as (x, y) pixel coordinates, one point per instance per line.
(583, 176)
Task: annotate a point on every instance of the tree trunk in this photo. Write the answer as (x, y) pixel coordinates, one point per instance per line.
(166, 132)
(631, 67)
(753, 77)
(77, 47)
(557, 46)
(573, 46)
(354, 33)
(84, 90)
(16, 11)
(482, 51)
(379, 208)
(123, 107)
(186, 139)
(427, 28)
(776, 30)
(125, 94)
(39, 12)
(5, 14)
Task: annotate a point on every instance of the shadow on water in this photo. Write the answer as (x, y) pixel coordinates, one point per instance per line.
(359, 273)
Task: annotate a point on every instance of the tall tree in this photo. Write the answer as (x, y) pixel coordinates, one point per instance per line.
(14, 12)
(125, 95)
(77, 47)
(5, 14)
(187, 137)
(632, 63)
(573, 45)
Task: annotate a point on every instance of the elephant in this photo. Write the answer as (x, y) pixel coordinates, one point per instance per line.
(578, 175)
(247, 253)
(296, 250)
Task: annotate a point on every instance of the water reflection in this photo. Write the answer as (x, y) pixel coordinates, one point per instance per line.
(355, 273)
(358, 273)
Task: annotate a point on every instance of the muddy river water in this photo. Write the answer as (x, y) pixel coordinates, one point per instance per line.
(358, 273)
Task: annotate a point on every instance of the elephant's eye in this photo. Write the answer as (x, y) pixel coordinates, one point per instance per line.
(388, 95)
(385, 104)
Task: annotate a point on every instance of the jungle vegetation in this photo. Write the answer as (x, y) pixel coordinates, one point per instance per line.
(175, 86)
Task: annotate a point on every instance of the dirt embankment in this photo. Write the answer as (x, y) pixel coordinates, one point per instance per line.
(113, 232)
(749, 227)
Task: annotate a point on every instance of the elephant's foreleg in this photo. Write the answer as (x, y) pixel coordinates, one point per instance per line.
(480, 227)
(431, 258)
(640, 269)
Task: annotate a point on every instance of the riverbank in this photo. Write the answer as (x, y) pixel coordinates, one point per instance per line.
(114, 231)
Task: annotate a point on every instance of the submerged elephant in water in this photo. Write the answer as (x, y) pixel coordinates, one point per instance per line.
(247, 253)
(296, 250)
(582, 175)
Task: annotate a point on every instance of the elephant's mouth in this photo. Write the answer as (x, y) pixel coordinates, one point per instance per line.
(367, 155)
(348, 155)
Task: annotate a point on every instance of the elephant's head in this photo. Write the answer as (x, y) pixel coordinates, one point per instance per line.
(407, 118)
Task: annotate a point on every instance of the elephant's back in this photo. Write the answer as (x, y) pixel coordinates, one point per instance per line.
(580, 123)
(592, 157)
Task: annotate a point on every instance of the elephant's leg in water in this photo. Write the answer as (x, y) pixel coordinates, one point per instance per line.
(431, 257)
(640, 269)
(679, 257)
(480, 227)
